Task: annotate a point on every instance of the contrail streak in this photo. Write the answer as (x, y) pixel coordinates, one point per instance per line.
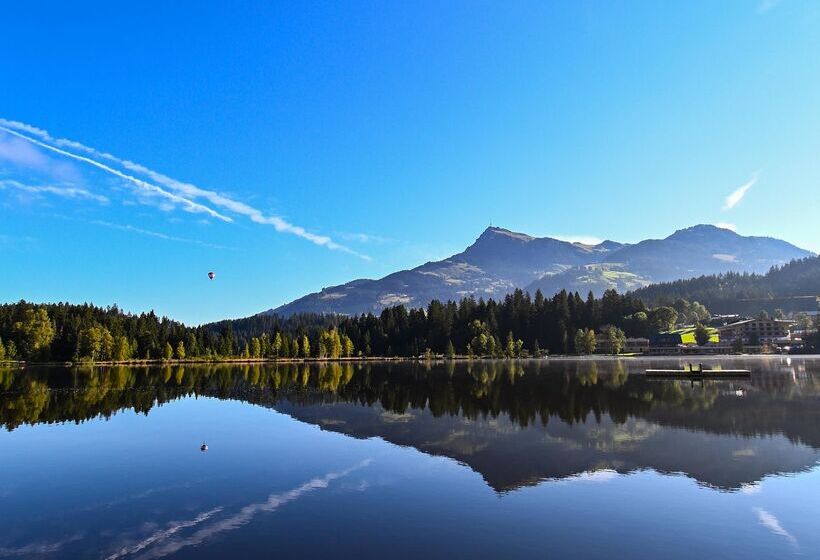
(181, 189)
(189, 205)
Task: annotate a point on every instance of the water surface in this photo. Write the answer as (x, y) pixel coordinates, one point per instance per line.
(559, 458)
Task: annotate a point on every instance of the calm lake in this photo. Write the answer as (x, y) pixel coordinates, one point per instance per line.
(547, 459)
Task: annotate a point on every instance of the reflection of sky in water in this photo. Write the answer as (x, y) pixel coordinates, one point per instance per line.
(667, 481)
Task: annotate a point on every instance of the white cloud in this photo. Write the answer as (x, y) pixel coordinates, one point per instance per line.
(726, 225)
(583, 239)
(182, 192)
(738, 194)
(62, 191)
(773, 524)
(365, 238)
(156, 234)
(20, 152)
(146, 187)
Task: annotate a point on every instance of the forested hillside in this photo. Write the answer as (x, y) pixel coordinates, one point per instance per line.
(791, 285)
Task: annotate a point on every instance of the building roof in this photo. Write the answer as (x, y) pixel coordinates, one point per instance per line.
(733, 325)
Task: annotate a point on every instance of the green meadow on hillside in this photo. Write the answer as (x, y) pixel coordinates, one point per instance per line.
(687, 334)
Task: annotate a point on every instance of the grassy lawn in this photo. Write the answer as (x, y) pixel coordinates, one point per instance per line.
(687, 335)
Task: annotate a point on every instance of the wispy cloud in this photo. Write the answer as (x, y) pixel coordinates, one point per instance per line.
(19, 152)
(726, 225)
(156, 234)
(16, 243)
(61, 191)
(773, 524)
(178, 192)
(144, 186)
(737, 195)
(365, 238)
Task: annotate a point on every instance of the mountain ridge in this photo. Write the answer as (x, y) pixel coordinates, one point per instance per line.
(501, 260)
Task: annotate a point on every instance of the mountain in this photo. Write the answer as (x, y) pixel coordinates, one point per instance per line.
(703, 249)
(498, 262)
(501, 260)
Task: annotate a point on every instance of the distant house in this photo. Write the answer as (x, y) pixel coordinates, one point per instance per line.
(756, 331)
(631, 345)
(638, 345)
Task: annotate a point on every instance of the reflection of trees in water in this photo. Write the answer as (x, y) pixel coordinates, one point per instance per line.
(528, 393)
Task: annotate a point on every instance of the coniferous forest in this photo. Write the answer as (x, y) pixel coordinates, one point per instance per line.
(725, 293)
(519, 325)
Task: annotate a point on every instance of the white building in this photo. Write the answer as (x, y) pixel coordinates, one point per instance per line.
(756, 331)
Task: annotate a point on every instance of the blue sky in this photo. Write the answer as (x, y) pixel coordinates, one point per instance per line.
(293, 146)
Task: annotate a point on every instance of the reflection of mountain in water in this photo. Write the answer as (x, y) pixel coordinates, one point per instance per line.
(514, 423)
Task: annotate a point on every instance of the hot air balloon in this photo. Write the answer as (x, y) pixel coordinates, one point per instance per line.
(211, 275)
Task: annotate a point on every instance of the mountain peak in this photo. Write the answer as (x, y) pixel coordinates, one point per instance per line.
(493, 231)
(501, 260)
(702, 229)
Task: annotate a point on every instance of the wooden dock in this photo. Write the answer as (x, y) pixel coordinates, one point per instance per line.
(699, 373)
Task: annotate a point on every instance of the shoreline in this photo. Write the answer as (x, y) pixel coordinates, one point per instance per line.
(360, 359)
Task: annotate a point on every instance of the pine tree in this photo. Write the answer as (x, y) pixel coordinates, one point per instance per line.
(168, 353)
(450, 352)
(180, 350)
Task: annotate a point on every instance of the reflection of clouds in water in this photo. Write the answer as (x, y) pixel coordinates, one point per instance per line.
(38, 548)
(746, 452)
(141, 495)
(163, 545)
(754, 488)
(603, 475)
(360, 486)
(773, 524)
(173, 527)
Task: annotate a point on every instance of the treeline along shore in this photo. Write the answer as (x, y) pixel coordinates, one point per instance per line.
(518, 326)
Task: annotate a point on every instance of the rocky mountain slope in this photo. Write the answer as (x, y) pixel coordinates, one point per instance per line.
(501, 260)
